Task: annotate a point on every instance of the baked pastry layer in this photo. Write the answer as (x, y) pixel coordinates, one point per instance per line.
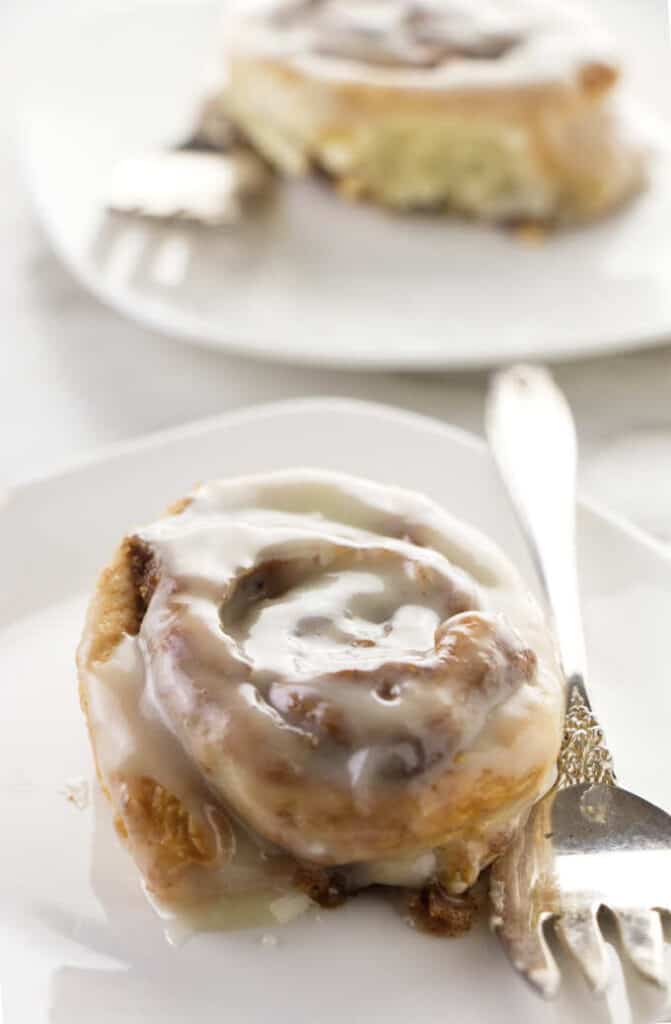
(309, 680)
(500, 110)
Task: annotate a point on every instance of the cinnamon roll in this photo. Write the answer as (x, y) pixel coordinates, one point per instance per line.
(307, 681)
(500, 109)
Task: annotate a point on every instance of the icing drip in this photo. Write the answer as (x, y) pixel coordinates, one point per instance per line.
(325, 669)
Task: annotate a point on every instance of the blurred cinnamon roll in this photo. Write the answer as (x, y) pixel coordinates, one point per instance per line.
(306, 680)
(500, 109)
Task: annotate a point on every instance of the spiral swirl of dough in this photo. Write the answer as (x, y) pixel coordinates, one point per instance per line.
(429, 43)
(334, 661)
(414, 33)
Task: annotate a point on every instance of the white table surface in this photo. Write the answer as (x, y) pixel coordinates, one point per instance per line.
(75, 376)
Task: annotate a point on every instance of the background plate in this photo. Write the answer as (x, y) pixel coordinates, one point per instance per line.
(78, 942)
(316, 280)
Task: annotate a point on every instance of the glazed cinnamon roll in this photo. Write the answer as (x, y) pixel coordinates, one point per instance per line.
(499, 109)
(309, 681)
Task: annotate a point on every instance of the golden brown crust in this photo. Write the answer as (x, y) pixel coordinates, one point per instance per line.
(597, 78)
(172, 839)
(555, 118)
(114, 610)
(359, 99)
(122, 594)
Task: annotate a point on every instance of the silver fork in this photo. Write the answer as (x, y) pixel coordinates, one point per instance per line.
(205, 179)
(589, 848)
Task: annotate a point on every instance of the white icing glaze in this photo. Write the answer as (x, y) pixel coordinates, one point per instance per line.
(305, 641)
(423, 44)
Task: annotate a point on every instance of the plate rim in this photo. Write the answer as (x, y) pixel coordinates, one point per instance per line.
(335, 404)
(143, 313)
(146, 313)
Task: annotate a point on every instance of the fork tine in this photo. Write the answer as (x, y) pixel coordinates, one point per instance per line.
(531, 957)
(517, 892)
(578, 931)
(643, 942)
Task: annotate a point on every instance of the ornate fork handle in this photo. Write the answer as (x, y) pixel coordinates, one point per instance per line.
(523, 397)
(583, 756)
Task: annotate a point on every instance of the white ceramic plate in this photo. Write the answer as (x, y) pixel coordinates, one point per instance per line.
(317, 280)
(78, 942)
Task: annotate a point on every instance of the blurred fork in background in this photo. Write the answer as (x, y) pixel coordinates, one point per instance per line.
(205, 179)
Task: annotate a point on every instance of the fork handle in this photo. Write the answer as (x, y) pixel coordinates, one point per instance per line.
(532, 437)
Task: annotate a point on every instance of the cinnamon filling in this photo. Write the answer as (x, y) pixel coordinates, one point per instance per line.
(415, 33)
